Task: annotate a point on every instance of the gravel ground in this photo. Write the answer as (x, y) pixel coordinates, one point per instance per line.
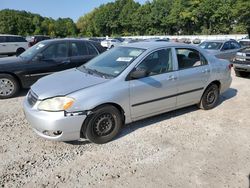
(183, 148)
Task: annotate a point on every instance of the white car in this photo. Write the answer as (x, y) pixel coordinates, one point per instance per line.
(110, 43)
(12, 44)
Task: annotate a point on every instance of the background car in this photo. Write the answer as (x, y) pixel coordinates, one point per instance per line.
(157, 40)
(44, 58)
(241, 62)
(125, 84)
(223, 49)
(110, 43)
(35, 39)
(244, 42)
(12, 45)
(196, 41)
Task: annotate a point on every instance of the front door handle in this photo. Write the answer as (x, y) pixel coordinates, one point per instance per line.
(66, 62)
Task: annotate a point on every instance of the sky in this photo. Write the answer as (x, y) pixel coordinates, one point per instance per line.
(56, 8)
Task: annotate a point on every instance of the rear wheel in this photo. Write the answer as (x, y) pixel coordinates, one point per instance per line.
(241, 73)
(210, 97)
(8, 86)
(103, 125)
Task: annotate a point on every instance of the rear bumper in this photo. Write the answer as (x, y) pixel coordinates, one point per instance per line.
(45, 124)
(225, 85)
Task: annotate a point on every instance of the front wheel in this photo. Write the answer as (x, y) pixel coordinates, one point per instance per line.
(8, 86)
(103, 125)
(210, 97)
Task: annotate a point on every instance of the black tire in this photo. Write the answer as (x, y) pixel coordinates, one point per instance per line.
(19, 51)
(9, 86)
(241, 73)
(103, 125)
(210, 97)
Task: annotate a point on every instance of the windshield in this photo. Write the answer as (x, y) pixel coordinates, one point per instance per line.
(211, 45)
(29, 53)
(112, 62)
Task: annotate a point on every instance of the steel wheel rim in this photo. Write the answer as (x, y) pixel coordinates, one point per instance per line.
(6, 87)
(211, 96)
(103, 125)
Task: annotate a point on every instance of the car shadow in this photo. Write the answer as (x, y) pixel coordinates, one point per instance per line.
(230, 93)
(78, 142)
(129, 128)
(249, 180)
(23, 92)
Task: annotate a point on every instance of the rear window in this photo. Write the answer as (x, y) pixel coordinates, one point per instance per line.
(211, 45)
(15, 39)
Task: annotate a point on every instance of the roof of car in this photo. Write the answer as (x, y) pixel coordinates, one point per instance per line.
(221, 41)
(154, 45)
(64, 39)
(10, 35)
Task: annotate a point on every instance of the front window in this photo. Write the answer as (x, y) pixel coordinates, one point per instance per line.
(112, 62)
(158, 62)
(29, 53)
(211, 45)
(58, 50)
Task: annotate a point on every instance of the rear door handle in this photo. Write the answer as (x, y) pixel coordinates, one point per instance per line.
(172, 77)
(206, 71)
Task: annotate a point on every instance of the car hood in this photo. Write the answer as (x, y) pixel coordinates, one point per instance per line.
(10, 60)
(65, 82)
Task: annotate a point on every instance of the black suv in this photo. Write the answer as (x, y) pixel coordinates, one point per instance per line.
(42, 59)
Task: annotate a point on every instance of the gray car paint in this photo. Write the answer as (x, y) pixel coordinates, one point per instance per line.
(90, 91)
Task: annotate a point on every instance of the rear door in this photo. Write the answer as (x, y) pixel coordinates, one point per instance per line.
(193, 75)
(157, 91)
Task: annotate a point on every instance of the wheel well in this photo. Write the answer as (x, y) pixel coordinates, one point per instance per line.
(15, 76)
(217, 83)
(20, 48)
(116, 106)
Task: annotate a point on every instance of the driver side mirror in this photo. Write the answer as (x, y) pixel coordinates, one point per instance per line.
(138, 73)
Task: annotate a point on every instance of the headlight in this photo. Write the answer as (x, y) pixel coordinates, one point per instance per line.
(56, 104)
(241, 54)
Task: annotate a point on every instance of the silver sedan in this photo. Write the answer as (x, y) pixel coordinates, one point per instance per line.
(122, 85)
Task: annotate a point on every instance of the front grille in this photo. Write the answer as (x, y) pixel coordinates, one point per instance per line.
(32, 98)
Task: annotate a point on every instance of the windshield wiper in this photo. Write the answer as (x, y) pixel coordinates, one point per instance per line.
(96, 72)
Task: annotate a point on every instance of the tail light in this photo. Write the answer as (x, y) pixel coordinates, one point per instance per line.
(230, 66)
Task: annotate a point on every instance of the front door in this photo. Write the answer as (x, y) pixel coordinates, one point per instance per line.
(52, 59)
(156, 92)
